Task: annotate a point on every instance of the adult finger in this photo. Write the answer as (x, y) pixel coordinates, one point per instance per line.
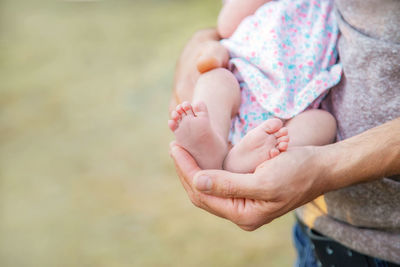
(228, 185)
(186, 166)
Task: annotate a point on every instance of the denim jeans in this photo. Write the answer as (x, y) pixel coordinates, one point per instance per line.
(305, 252)
(304, 248)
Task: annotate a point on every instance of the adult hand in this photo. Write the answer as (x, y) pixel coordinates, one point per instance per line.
(287, 181)
(277, 186)
(203, 46)
(291, 179)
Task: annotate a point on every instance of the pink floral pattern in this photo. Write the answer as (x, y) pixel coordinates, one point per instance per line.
(285, 59)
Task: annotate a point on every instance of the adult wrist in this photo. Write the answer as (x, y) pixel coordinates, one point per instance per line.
(326, 162)
(365, 157)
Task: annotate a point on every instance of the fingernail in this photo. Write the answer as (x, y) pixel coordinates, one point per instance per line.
(203, 183)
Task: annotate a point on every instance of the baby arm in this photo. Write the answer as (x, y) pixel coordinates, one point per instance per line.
(214, 55)
(233, 12)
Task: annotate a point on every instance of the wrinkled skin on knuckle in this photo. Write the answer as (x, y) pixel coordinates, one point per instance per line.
(259, 186)
(228, 189)
(268, 189)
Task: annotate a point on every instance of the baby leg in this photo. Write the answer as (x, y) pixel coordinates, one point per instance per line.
(313, 127)
(203, 128)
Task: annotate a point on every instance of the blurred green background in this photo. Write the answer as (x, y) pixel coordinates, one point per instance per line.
(85, 175)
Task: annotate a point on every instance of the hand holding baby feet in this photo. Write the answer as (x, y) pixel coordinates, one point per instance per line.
(264, 142)
(193, 131)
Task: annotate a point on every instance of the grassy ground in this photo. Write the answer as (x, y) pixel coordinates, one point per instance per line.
(85, 175)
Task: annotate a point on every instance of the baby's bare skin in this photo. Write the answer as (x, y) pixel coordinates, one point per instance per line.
(194, 132)
(192, 128)
(203, 128)
(258, 145)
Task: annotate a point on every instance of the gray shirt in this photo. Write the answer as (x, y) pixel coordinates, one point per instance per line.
(364, 217)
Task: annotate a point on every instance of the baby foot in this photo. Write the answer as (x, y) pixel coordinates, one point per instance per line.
(193, 131)
(260, 144)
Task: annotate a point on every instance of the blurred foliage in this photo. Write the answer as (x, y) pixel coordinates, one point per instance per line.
(85, 175)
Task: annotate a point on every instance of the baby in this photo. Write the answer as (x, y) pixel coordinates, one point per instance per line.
(282, 62)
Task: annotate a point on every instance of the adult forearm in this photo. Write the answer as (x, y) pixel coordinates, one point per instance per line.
(368, 156)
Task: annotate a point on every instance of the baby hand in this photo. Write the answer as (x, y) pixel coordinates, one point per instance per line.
(214, 55)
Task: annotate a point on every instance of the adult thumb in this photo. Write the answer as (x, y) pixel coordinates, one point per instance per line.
(227, 184)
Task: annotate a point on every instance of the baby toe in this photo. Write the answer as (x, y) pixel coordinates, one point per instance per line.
(283, 146)
(271, 126)
(282, 132)
(284, 138)
(173, 125)
(273, 153)
(175, 115)
(187, 107)
(180, 110)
